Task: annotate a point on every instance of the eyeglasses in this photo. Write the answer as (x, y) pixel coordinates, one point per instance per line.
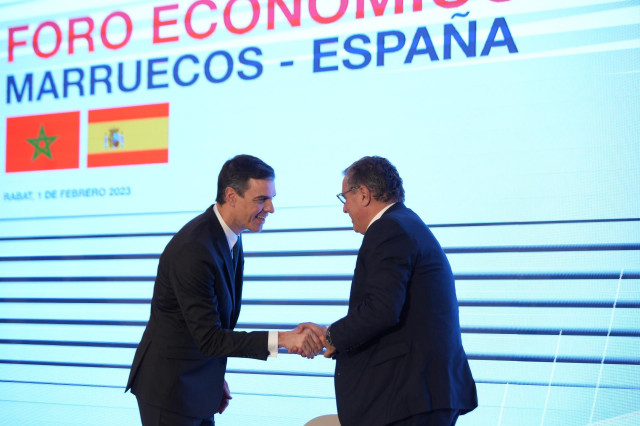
(343, 195)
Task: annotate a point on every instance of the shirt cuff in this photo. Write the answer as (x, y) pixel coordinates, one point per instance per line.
(273, 344)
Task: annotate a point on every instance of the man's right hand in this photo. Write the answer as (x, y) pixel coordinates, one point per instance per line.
(302, 341)
(321, 332)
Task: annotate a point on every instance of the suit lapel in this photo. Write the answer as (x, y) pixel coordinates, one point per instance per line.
(233, 267)
(221, 245)
(223, 249)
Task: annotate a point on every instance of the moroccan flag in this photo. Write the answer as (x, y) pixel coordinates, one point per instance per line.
(128, 135)
(43, 142)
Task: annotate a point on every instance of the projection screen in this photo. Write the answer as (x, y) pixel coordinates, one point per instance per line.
(515, 125)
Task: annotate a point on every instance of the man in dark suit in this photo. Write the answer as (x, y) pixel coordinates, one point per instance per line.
(399, 355)
(178, 369)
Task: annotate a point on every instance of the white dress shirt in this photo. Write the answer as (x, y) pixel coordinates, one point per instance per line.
(380, 213)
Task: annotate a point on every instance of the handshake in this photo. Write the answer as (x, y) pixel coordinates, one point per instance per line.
(307, 340)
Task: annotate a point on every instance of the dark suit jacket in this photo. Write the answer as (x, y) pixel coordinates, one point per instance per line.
(399, 347)
(181, 360)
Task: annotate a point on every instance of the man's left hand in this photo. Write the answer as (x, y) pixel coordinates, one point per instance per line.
(226, 396)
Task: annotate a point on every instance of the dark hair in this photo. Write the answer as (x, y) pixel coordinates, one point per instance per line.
(379, 175)
(237, 171)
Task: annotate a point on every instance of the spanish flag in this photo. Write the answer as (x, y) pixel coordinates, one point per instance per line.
(43, 142)
(128, 135)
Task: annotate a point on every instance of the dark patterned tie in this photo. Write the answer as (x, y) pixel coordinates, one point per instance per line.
(236, 254)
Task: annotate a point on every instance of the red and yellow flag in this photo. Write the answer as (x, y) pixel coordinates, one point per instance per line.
(128, 135)
(43, 142)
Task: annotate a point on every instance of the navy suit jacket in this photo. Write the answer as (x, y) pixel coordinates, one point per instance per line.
(181, 360)
(399, 347)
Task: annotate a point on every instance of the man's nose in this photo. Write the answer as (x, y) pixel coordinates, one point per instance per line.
(344, 208)
(268, 206)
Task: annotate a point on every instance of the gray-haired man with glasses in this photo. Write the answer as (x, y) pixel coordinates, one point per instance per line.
(398, 351)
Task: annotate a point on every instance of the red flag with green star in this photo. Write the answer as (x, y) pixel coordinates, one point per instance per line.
(43, 142)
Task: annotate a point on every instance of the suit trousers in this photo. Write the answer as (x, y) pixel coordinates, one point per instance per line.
(431, 418)
(157, 416)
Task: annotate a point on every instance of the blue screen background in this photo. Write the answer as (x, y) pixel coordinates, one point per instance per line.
(525, 164)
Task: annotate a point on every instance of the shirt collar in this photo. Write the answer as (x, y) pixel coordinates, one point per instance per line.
(379, 215)
(232, 238)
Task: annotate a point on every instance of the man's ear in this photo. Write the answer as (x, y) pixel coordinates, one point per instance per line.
(230, 196)
(364, 195)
